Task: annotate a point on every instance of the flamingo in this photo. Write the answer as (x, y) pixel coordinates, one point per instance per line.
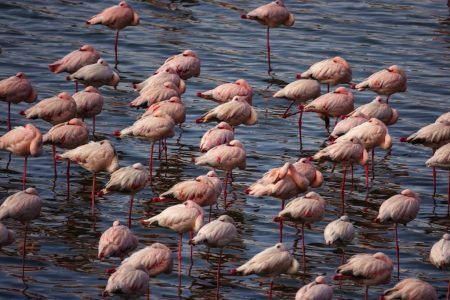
(339, 232)
(441, 159)
(226, 92)
(331, 71)
(181, 218)
(385, 82)
(116, 241)
(440, 255)
(334, 104)
(410, 288)
(116, 17)
(379, 109)
(366, 269)
(222, 133)
(299, 91)
(7, 236)
(155, 127)
(316, 290)
(68, 135)
(271, 15)
(186, 64)
(94, 157)
(402, 208)
(271, 262)
(347, 123)
(96, 75)
(131, 179)
(158, 79)
(305, 210)
(127, 280)
(225, 157)
(23, 141)
(346, 150)
(89, 104)
(217, 234)
(23, 206)
(235, 112)
(304, 167)
(282, 183)
(16, 89)
(155, 94)
(174, 107)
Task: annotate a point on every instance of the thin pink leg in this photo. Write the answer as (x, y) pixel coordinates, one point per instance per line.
(366, 170)
(448, 290)
(367, 293)
(130, 209)
(148, 291)
(24, 251)
(180, 241)
(328, 87)
(268, 51)
(373, 163)
(285, 114)
(76, 86)
(54, 159)
(9, 116)
(397, 250)
(210, 210)
(334, 167)
(151, 161)
(24, 178)
(448, 194)
(281, 222)
(93, 194)
(191, 236)
(352, 174)
(300, 127)
(68, 177)
(115, 47)
(343, 190)
(433, 172)
(303, 247)
(93, 125)
(225, 190)
(270, 289)
(218, 274)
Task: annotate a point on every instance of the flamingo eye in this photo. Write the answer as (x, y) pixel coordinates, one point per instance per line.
(351, 140)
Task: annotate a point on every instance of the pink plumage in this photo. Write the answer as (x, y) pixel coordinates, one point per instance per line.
(116, 17)
(226, 92)
(331, 71)
(16, 89)
(68, 135)
(379, 109)
(174, 107)
(316, 290)
(410, 288)
(75, 60)
(116, 241)
(224, 157)
(186, 64)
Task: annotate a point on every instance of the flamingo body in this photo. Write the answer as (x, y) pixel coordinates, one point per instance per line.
(235, 112)
(89, 102)
(224, 157)
(222, 133)
(187, 64)
(307, 209)
(7, 236)
(300, 90)
(331, 71)
(127, 280)
(346, 150)
(116, 17)
(68, 135)
(385, 82)
(131, 179)
(339, 232)
(75, 60)
(216, 234)
(400, 209)
(316, 290)
(159, 93)
(307, 169)
(174, 107)
(23, 206)
(272, 15)
(96, 75)
(440, 252)
(158, 79)
(378, 108)
(55, 110)
(152, 127)
(16, 89)
(116, 241)
(226, 92)
(410, 289)
(372, 133)
(23, 141)
(155, 259)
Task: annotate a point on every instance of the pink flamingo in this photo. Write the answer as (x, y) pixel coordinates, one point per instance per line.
(440, 255)
(89, 104)
(7, 236)
(334, 104)
(316, 290)
(299, 92)
(410, 288)
(307, 169)
(282, 183)
(116, 241)
(271, 262)
(226, 92)
(16, 89)
(68, 135)
(116, 17)
(402, 208)
(346, 150)
(186, 64)
(23, 206)
(305, 210)
(155, 94)
(347, 123)
(181, 218)
(158, 79)
(217, 234)
(441, 159)
(339, 232)
(174, 107)
(225, 157)
(131, 179)
(366, 269)
(129, 280)
(235, 112)
(379, 109)
(385, 82)
(222, 133)
(23, 141)
(155, 127)
(55, 110)
(94, 157)
(331, 71)
(156, 259)
(97, 74)
(204, 190)
(271, 15)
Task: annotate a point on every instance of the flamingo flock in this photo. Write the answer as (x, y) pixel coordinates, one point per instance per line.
(355, 135)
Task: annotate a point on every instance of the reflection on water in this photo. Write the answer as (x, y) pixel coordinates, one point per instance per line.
(370, 35)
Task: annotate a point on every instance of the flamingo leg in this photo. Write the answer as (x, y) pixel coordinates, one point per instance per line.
(448, 197)
(24, 251)
(76, 86)
(328, 87)
(218, 274)
(191, 236)
(130, 209)
(68, 178)
(285, 114)
(24, 178)
(281, 222)
(115, 48)
(210, 210)
(366, 170)
(93, 194)
(300, 126)
(373, 163)
(9, 116)
(303, 247)
(93, 125)
(334, 167)
(397, 250)
(367, 293)
(268, 50)
(151, 161)
(433, 172)
(180, 241)
(352, 174)
(148, 291)
(225, 190)
(270, 289)
(343, 189)
(54, 159)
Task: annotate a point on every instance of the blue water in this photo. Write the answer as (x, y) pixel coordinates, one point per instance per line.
(370, 35)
